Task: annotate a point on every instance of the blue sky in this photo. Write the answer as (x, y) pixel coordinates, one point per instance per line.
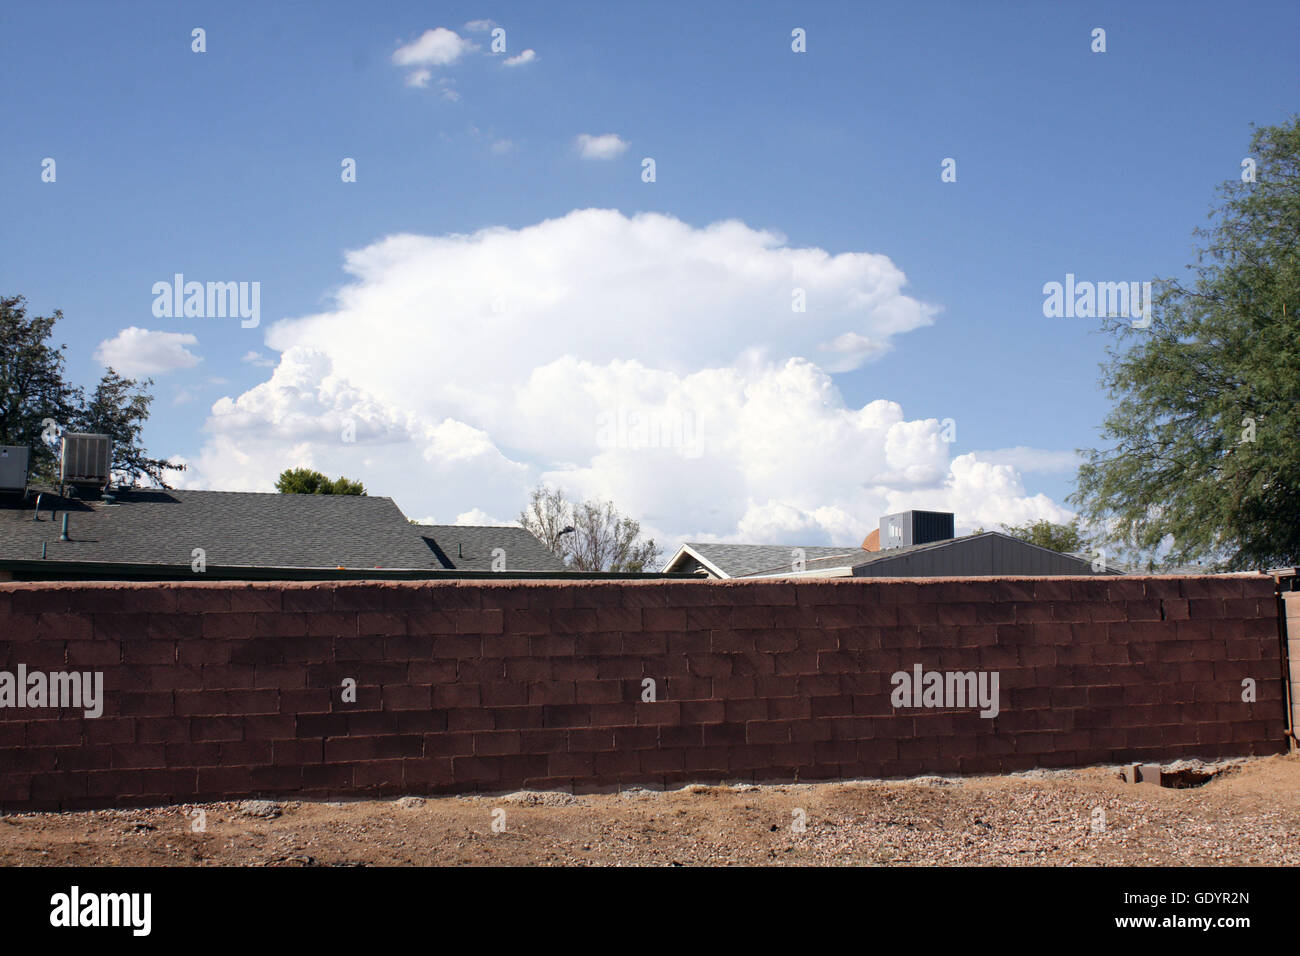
(225, 166)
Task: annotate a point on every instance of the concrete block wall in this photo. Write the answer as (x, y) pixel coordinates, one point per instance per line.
(228, 690)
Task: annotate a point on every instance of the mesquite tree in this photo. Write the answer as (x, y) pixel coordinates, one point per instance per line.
(1202, 456)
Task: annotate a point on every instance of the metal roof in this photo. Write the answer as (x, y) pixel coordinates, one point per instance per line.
(984, 553)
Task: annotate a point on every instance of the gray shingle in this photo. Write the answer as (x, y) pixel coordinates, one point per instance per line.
(470, 547)
(738, 560)
(240, 529)
(986, 552)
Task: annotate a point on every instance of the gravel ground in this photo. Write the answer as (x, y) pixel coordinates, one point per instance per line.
(1247, 813)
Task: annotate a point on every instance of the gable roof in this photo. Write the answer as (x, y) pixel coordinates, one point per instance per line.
(234, 529)
(739, 560)
(470, 547)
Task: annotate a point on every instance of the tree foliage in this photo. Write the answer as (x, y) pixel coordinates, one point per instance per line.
(37, 403)
(33, 391)
(1065, 538)
(118, 408)
(590, 535)
(1203, 456)
(305, 481)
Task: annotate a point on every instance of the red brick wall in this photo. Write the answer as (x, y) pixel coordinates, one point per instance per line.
(221, 690)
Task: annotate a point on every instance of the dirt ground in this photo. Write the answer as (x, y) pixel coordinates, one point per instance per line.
(1248, 814)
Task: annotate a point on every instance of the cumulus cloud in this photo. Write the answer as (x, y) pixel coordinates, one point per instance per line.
(436, 47)
(527, 56)
(134, 352)
(1034, 460)
(476, 516)
(253, 357)
(419, 78)
(605, 146)
(636, 358)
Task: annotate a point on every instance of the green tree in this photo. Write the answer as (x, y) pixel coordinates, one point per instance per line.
(37, 403)
(1058, 537)
(1203, 460)
(35, 400)
(118, 408)
(305, 481)
(589, 536)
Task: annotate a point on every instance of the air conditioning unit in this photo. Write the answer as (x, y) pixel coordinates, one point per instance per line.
(915, 527)
(85, 459)
(13, 467)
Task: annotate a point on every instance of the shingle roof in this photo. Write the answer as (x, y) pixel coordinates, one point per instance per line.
(738, 560)
(238, 529)
(998, 553)
(857, 557)
(470, 547)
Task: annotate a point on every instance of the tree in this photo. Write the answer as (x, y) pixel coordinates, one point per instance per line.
(590, 536)
(1065, 538)
(37, 404)
(1204, 455)
(118, 408)
(35, 401)
(304, 481)
(548, 518)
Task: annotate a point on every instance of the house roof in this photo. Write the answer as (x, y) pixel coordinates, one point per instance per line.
(985, 552)
(234, 529)
(470, 547)
(738, 560)
(860, 557)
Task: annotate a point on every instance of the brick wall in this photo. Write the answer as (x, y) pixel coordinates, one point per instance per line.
(225, 690)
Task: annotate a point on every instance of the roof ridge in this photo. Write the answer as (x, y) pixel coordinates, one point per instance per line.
(268, 494)
(848, 548)
(515, 527)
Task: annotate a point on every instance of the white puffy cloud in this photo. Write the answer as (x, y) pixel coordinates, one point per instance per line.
(254, 357)
(436, 47)
(306, 416)
(983, 493)
(604, 146)
(527, 56)
(134, 352)
(636, 358)
(419, 78)
(476, 516)
(1034, 460)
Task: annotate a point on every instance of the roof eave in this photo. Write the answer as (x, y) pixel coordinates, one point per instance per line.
(687, 550)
